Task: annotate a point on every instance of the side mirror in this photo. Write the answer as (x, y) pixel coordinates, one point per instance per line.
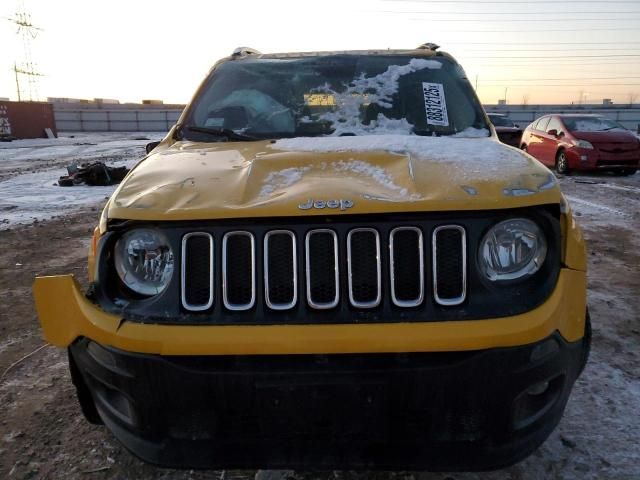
(150, 146)
(516, 125)
(553, 132)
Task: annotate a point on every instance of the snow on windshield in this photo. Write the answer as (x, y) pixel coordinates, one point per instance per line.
(364, 91)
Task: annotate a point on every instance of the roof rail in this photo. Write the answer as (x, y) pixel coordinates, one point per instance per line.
(429, 46)
(244, 51)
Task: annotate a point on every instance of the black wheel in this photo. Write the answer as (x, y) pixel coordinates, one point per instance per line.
(523, 147)
(562, 164)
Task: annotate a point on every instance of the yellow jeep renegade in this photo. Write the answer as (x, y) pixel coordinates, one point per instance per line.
(329, 262)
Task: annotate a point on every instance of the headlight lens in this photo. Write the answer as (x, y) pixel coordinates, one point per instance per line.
(511, 250)
(144, 261)
(583, 144)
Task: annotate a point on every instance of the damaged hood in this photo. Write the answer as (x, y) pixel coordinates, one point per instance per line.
(307, 176)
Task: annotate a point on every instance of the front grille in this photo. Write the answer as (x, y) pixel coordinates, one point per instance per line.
(364, 267)
(280, 270)
(323, 276)
(197, 271)
(407, 266)
(238, 270)
(449, 265)
(358, 265)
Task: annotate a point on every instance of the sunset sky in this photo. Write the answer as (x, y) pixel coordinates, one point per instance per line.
(547, 51)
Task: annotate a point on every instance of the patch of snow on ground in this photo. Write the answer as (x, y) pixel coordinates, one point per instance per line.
(585, 206)
(36, 195)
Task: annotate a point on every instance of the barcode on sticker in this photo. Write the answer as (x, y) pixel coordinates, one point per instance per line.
(435, 104)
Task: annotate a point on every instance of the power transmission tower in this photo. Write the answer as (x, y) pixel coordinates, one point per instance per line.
(25, 71)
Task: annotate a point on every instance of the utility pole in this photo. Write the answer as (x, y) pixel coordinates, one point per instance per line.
(505, 95)
(15, 70)
(25, 69)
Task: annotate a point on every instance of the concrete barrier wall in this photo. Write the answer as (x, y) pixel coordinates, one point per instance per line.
(145, 119)
(119, 120)
(627, 116)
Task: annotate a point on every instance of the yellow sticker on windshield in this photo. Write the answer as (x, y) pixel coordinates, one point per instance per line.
(319, 99)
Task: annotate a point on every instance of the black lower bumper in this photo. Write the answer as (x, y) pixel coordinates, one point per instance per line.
(438, 411)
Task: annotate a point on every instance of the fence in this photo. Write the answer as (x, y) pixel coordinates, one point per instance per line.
(162, 119)
(627, 116)
(116, 120)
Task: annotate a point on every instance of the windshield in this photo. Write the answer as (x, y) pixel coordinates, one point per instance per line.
(335, 95)
(590, 124)
(501, 121)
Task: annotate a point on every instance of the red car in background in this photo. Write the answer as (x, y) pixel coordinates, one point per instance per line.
(582, 142)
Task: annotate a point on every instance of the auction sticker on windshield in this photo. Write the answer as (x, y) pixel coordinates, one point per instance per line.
(435, 104)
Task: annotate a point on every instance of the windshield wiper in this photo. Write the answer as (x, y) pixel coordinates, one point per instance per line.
(219, 131)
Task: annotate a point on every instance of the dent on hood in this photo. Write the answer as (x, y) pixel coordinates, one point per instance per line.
(210, 180)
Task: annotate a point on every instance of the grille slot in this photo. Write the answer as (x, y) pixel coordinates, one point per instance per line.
(238, 270)
(322, 271)
(449, 265)
(407, 266)
(197, 271)
(280, 270)
(364, 269)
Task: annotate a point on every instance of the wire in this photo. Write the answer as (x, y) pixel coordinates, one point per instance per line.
(558, 57)
(528, 20)
(510, 2)
(553, 79)
(514, 13)
(563, 85)
(542, 43)
(538, 30)
(516, 50)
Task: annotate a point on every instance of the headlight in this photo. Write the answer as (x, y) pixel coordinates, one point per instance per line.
(512, 249)
(144, 261)
(583, 144)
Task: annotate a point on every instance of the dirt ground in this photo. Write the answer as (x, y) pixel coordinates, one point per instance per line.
(43, 434)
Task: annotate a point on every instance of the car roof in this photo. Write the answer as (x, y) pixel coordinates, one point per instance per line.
(426, 50)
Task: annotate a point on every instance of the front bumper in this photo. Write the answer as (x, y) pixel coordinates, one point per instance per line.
(431, 395)
(593, 159)
(66, 314)
(472, 410)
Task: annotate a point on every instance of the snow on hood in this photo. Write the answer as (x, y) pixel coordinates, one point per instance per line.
(470, 153)
(378, 174)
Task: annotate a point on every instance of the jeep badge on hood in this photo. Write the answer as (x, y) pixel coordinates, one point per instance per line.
(343, 204)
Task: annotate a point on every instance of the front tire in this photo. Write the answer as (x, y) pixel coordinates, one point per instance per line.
(562, 164)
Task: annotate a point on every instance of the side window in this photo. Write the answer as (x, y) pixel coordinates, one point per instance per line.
(554, 124)
(542, 124)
